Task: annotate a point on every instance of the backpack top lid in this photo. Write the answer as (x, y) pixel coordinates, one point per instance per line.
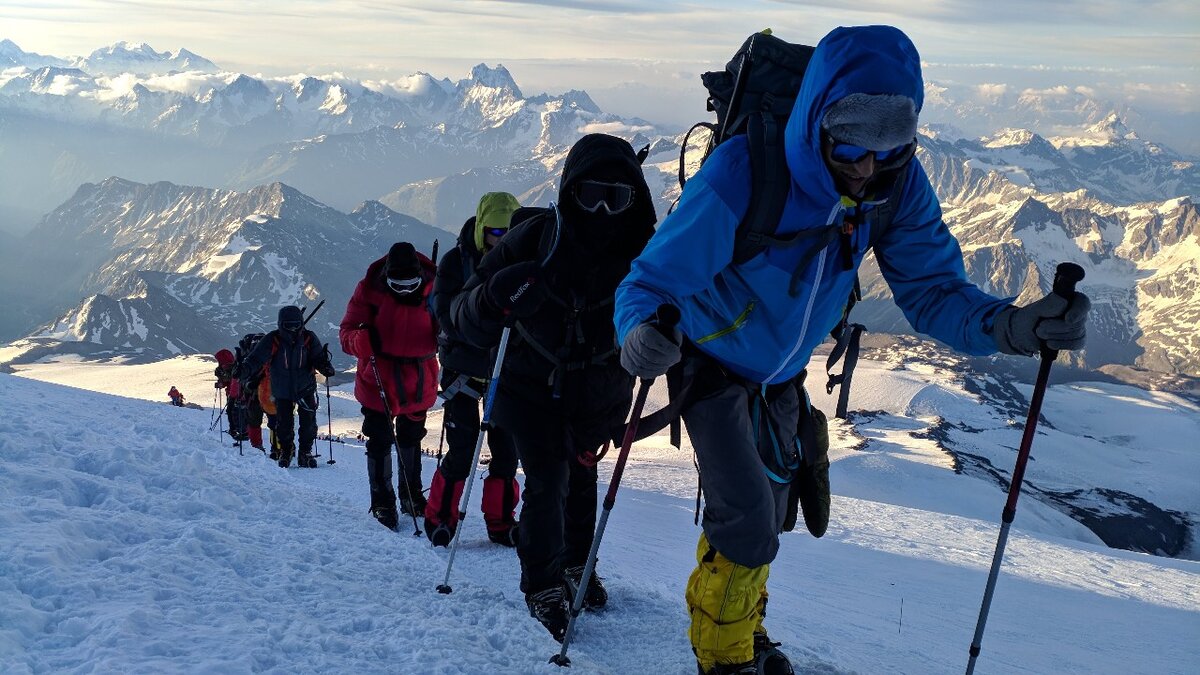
(763, 76)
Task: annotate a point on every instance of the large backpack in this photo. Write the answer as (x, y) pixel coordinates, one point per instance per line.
(754, 96)
(243, 349)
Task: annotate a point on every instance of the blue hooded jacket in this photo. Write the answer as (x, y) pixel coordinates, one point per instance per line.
(743, 315)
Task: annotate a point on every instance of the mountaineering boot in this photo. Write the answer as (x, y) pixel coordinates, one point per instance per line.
(387, 517)
(596, 596)
(285, 457)
(416, 505)
(550, 608)
(306, 460)
(767, 657)
(500, 497)
(383, 500)
(507, 535)
(441, 511)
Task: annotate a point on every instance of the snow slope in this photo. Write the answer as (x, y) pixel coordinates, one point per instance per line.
(135, 540)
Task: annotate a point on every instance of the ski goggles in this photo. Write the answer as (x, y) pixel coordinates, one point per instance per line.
(495, 231)
(848, 153)
(291, 326)
(404, 286)
(592, 195)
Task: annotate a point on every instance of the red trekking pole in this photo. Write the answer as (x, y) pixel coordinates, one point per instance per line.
(664, 320)
(1065, 278)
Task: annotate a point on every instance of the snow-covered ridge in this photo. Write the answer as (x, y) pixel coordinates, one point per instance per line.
(136, 539)
(167, 269)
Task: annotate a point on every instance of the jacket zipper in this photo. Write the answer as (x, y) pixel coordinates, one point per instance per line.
(812, 298)
(735, 326)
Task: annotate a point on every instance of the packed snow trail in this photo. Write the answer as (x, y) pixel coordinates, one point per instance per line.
(135, 540)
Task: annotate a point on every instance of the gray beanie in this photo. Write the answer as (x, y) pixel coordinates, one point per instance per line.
(873, 121)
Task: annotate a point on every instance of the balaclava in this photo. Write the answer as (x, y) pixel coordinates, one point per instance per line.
(402, 273)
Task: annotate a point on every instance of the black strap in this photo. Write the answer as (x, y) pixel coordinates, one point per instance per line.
(849, 335)
(557, 362)
(712, 131)
(847, 344)
(771, 180)
(398, 364)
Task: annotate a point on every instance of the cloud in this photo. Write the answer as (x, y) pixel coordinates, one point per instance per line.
(614, 128)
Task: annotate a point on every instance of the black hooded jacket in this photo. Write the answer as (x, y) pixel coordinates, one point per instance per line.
(562, 362)
(456, 267)
(292, 358)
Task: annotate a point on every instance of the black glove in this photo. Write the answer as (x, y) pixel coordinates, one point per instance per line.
(647, 353)
(327, 369)
(1053, 322)
(518, 290)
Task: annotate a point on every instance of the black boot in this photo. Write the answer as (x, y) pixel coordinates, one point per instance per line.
(383, 500)
(550, 608)
(306, 460)
(387, 517)
(285, 457)
(596, 596)
(504, 535)
(414, 506)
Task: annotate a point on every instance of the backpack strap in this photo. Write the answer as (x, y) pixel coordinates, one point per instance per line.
(712, 139)
(561, 366)
(770, 180)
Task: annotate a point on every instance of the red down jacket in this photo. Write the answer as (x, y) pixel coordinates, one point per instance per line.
(407, 345)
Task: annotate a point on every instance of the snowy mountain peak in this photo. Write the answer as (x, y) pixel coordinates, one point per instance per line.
(497, 78)
(140, 49)
(244, 84)
(139, 57)
(10, 48)
(1008, 138)
(1112, 127)
(579, 99)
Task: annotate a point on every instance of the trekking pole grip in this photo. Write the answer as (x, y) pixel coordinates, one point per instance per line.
(666, 317)
(1066, 275)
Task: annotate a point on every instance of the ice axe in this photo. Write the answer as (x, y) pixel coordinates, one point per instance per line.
(1065, 278)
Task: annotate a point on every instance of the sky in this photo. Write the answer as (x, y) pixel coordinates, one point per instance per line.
(643, 58)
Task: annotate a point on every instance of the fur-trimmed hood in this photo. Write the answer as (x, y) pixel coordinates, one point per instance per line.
(848, 61)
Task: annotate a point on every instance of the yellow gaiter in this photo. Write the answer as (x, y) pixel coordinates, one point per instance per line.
(724, 601)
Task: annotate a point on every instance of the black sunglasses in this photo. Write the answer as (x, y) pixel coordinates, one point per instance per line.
(593, 195)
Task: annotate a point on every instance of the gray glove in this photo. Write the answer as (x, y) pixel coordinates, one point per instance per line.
(647, 353)
(1053, 322)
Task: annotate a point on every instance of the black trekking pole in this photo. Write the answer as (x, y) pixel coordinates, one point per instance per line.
(310, 314)
(329, 418)
(392, 430)
(220, 411)
(665, 319)
(441, 437)
(484, 425)
(1065, 278)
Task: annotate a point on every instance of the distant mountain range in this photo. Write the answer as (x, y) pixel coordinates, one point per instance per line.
(167, 269)
(1019, 201)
